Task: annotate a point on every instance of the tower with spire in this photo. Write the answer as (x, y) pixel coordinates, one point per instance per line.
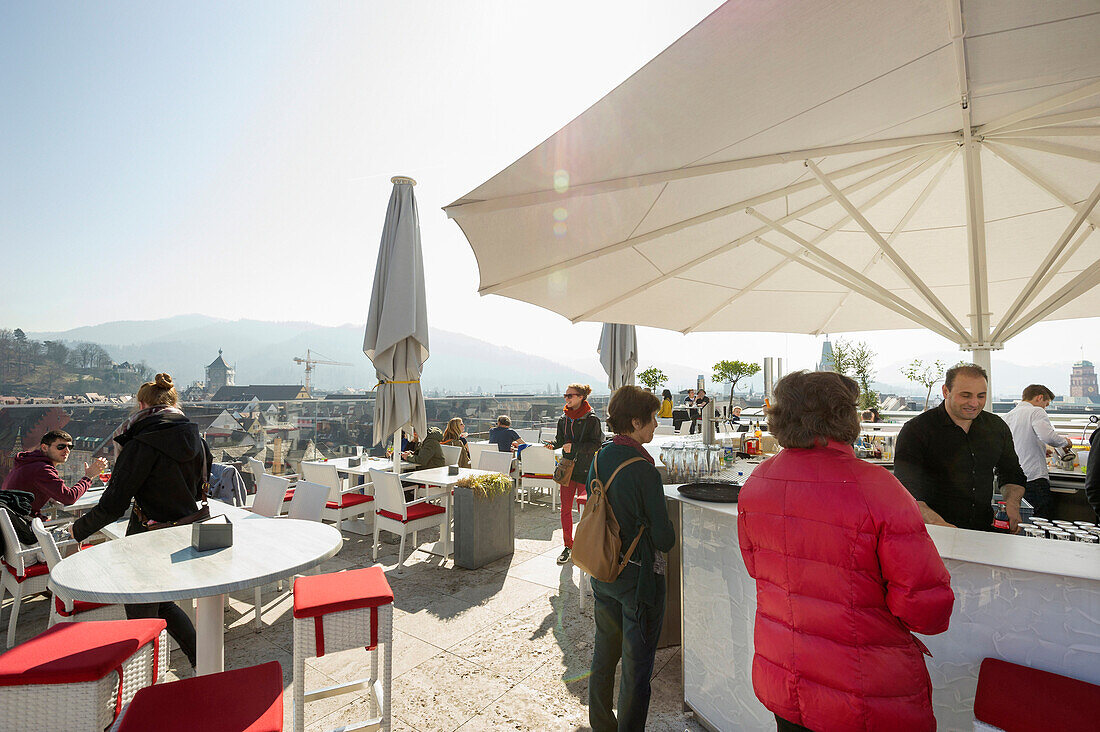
(219, 374)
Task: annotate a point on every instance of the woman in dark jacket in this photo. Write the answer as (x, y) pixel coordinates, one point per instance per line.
(161, 468)
(579, 435)
(630, 610)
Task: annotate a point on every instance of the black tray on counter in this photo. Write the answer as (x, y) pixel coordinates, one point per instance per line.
(712, 491)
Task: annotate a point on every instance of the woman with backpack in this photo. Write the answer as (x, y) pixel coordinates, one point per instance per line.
(579, 435)
(629, 611)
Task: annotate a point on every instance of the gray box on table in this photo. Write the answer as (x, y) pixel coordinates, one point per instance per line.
(206, 536)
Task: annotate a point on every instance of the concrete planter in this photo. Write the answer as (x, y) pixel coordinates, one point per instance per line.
(485, 528)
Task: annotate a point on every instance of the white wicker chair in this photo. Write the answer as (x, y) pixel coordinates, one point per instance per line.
(48, 682)
(364, 620)
(476, 448)
(537, 465)
(344, 503)
(452, 453)
(21, 575)
(531, 437)
(401, 517)
(63, 609)
(308, 503)
(498, 462)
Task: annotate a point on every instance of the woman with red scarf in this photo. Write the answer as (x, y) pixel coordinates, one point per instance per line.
(579, 435)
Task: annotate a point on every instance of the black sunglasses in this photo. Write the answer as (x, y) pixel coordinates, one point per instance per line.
(570, 395)
(64, 446)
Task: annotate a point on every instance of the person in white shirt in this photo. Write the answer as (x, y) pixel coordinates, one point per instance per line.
(1032, 432)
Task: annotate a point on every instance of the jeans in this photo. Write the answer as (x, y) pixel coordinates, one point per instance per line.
(626, 631)
(566, 493)
(179, 625)
(1037, 493)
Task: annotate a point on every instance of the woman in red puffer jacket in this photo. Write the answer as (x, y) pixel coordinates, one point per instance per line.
(845, 572)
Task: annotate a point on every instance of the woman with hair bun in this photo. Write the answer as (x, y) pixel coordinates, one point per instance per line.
(161, 468)
(579, 435)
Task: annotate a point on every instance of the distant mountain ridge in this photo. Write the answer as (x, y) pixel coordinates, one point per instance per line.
(261, 352)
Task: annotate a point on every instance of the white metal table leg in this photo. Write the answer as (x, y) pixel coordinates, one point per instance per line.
(210, 632)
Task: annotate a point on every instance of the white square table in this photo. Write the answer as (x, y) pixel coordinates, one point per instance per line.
(442, 479)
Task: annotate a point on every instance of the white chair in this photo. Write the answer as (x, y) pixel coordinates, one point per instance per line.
(64, 609)
(344, 502)
(270, 495)
(256, 467)
(452, 453)
(476, 448)
(498, 462)
(308, 503)
(398, 516)
(531, 437)
(536, 472)
(21, 575)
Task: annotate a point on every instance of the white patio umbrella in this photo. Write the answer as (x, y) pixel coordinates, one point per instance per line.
(396, 338)
(813, 167)
(618, 351)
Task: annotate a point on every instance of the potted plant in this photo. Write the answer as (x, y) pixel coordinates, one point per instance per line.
(484, 516)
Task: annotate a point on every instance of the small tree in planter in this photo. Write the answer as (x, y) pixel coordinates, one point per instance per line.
(485, 525)
(730, 372)
(653, 378)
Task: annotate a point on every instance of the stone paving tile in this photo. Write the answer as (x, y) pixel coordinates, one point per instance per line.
(512, 560)
(446, 621)
(505, 595)
(445, 692)
(523, 708)
(516, 645)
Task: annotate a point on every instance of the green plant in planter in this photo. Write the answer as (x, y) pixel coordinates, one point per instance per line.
(487, 486)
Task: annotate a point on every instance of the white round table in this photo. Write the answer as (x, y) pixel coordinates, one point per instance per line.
(161, 565)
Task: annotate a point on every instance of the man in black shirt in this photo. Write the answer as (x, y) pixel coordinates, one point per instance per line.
(946, 457)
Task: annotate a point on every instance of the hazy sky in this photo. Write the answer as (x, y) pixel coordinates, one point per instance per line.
(234, 159)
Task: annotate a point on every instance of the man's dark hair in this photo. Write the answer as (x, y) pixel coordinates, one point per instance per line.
(809, 408)
(54, 436)
(967, 369)
(630, 403)
(1035, 390)
(504, 421)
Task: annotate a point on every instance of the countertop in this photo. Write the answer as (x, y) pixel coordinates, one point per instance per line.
(1046, 556)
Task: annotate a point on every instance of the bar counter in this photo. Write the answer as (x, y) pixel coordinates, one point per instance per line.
(1031, 601)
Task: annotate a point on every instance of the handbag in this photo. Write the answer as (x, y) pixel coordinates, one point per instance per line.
(596, 542)
(201, 515)
(563, 471)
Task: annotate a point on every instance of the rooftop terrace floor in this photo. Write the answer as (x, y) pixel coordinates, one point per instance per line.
(501, 647)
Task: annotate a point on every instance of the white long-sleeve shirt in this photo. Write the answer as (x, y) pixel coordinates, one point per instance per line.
(1031, 433)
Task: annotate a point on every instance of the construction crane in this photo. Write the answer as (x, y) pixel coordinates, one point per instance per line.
(310, 362)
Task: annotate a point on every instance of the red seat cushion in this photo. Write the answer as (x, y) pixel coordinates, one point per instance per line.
(321, 594)
(1053, 702)
(540, 476)
(70, 653)
(416, 511)
(245, 699)
(289, 495)
(348, 500)
(79, 606)
(32, 570)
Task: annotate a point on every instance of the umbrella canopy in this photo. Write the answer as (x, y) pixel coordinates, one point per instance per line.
(396, 339)
(618, 351)
(815, 167)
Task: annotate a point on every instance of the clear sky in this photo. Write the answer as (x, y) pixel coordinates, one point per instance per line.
(234, 159)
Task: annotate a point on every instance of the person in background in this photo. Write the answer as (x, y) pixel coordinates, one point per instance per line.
(428, 453)
(161, 468)
(503, 436)
(409, 444)
(629, 611)
(684, 414)
(702, 401)
(947, 456)
(579, 435)
(666, 405)
(455, 434)
(35, 471)
(735, 416)
(845, 572)
(1092, 473)
(1031, 433)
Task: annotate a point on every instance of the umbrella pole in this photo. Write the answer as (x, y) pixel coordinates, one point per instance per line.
(397, 452)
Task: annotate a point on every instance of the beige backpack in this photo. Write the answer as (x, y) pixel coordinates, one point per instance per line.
(596, 542)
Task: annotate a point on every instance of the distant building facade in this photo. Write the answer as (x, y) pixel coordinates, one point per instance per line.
(261, 392)
(827, 362)
(1082, 380)
(219, 374)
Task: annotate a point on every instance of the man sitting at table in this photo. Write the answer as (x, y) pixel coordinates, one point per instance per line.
(428, 454)
(35, 471)
(503, 436)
